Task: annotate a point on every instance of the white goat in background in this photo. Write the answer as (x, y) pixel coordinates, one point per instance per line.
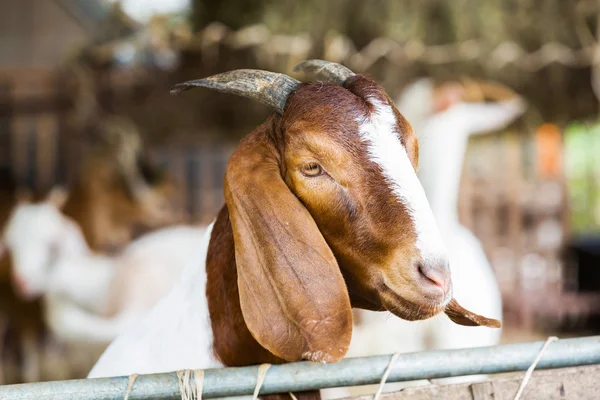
(91, 297)
(443, 119)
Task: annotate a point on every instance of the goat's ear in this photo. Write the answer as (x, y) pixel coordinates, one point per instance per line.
(292, 294)
(57, 197)
(461, 316)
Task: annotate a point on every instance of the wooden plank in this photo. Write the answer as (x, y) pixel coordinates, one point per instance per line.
(46, 150)
(206, 188)
(31, 76)
(5, 128)
(177, 167)
(482, 391)
(555, 384)
(35, 105)
(20, 135)
(514, 191)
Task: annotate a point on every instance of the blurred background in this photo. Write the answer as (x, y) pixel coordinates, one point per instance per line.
(85, 105)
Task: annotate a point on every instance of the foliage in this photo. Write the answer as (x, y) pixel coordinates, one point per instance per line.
(582, 169)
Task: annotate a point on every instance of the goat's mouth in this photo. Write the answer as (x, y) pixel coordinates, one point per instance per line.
(411, 310)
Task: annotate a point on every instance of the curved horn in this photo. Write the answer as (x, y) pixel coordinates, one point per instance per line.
(269, 88)
(326, 70)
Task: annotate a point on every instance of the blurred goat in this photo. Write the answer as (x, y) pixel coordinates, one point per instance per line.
(117, 195)
(118, 192)
(445, 117)
(87, 296)
(323, 212)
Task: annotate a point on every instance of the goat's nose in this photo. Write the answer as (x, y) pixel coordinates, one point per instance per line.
(437, 274)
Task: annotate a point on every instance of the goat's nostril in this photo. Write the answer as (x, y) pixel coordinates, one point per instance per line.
(436, 275)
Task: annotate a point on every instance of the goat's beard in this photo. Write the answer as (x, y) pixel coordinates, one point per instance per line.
(408, 309)
(383, 298)
(411, 311)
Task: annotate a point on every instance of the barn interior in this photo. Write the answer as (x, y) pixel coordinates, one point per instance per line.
(85, 108)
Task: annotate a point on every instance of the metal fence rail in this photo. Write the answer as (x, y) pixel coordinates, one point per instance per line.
(302, 376)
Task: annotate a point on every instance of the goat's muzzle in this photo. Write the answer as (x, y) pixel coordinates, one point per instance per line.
(435, 279)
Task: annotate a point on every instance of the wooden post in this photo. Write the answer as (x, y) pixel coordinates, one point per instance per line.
(576, 383)
(45, 163)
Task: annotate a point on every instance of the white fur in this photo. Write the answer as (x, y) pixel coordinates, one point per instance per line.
(386, 150)
(37, 234)
(176, 334)
(443, 143)
(90, 297)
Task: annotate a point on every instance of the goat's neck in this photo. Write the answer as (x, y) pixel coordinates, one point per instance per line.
(233, 343)
(441, 157)
(78, 274)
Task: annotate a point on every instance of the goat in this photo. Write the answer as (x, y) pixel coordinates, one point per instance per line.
(454, 113)
(90, 297)
(323, 212)
(447, 115)
(118, 189)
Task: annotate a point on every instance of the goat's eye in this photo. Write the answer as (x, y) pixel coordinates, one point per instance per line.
(312, 169)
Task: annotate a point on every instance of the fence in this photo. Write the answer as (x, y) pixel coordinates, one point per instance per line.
(42, 147)
(201, 170)
(32, 112)
(304, 376)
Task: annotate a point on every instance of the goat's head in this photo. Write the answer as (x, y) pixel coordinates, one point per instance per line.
(36, 235)
(148, 188)
(435, 98)
(327, 211)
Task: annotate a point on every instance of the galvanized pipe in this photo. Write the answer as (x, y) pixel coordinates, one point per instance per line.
(302, 376)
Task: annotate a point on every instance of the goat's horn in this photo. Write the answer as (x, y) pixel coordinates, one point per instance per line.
(269, 88)
(326, 70)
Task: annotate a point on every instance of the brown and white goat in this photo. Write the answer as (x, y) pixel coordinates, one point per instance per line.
(118, 190)
(323, 212)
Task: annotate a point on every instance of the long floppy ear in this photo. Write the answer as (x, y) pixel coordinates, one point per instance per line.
(292, 294)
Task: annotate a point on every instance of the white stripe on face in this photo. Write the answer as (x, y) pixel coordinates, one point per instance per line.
(379, 132)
